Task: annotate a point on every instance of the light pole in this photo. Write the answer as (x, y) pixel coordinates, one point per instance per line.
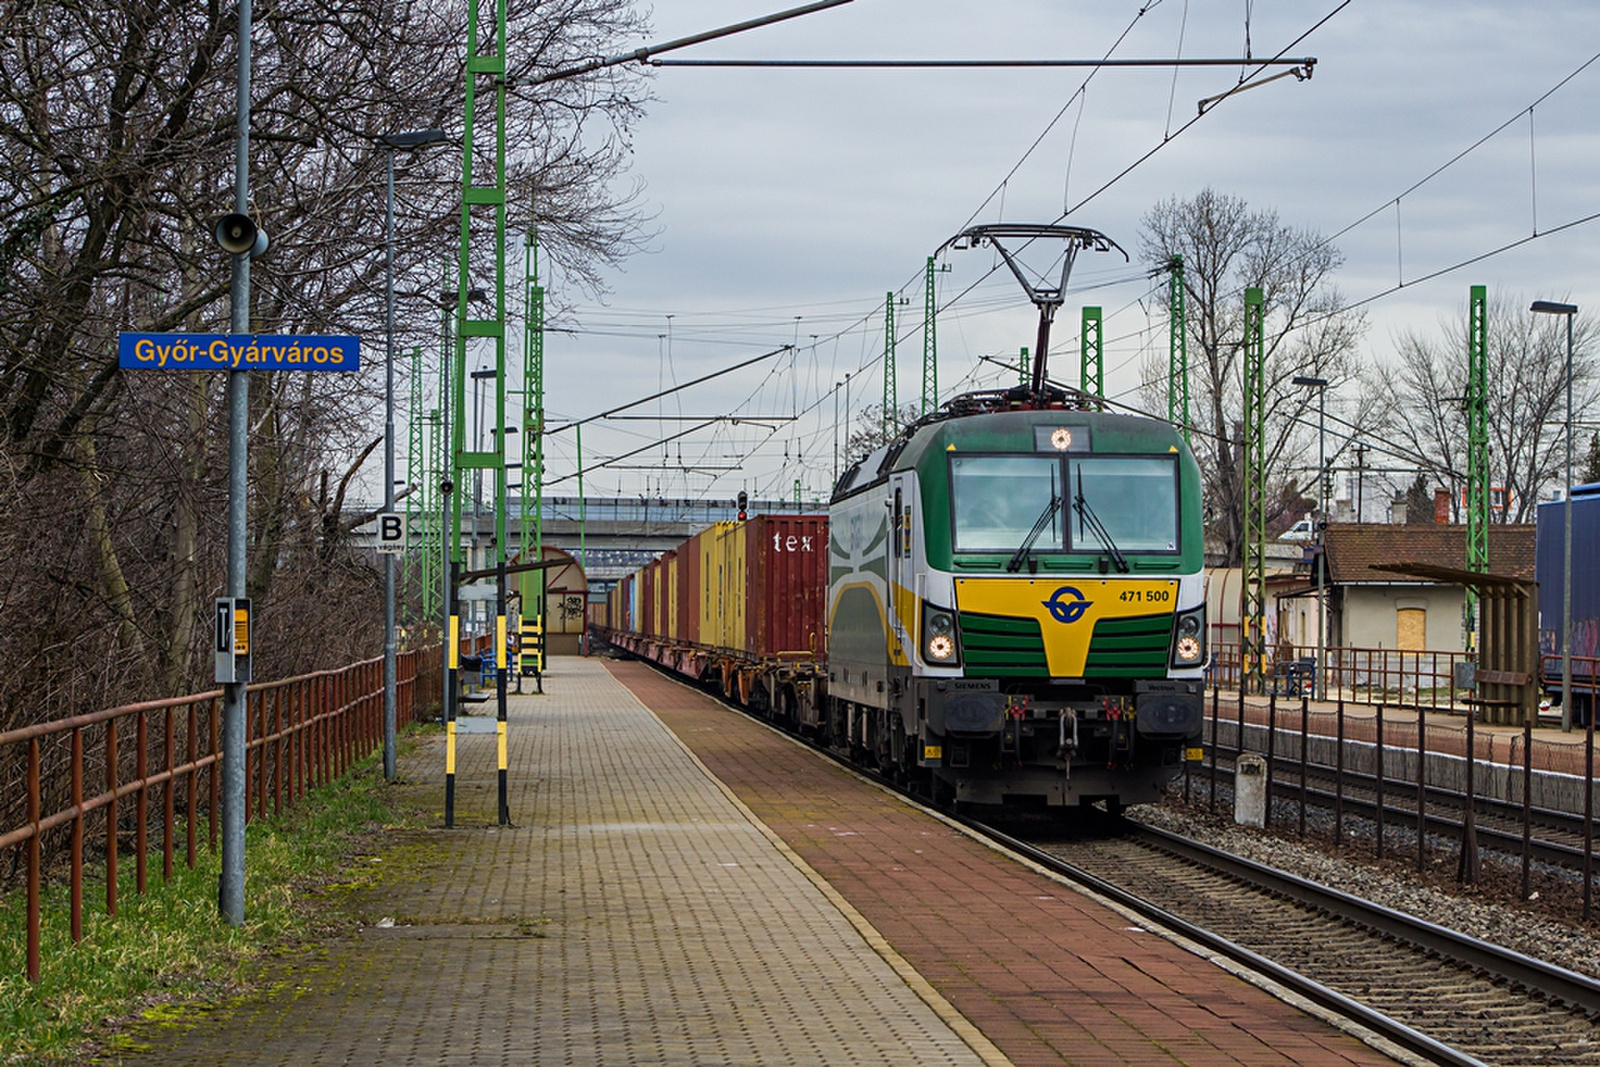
(836, 387)
(1321, 386)
(847, 418)
(411, 139)
(1550, 307)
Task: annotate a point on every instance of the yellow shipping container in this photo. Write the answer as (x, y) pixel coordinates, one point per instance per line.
(722, 577)
(669, 601)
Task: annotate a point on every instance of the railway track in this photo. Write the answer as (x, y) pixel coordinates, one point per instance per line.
(1553, 837)
(1444, 996)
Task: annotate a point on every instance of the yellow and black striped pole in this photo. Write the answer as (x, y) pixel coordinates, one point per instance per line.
(532, 650)
(501, 664)
(452, 653)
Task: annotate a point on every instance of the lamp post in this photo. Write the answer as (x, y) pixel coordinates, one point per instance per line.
(847, 418)
(1321, 386)
(1551, 307)
(836, 387)
(409, 140)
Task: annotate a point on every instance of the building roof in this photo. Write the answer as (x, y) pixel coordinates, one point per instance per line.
(1354, 548)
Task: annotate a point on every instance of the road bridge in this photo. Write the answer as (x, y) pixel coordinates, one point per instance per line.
(617, 535)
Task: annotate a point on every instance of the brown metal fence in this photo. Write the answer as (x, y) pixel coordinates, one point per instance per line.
(92, 790)
(1419, 762)
(1434, 680)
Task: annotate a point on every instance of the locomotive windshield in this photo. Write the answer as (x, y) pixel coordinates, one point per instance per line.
(997, 499)
(1135, 498)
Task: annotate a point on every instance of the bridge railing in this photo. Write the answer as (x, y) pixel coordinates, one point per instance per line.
(137, 781)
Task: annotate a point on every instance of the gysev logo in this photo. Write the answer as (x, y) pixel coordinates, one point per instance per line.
(1067, 611)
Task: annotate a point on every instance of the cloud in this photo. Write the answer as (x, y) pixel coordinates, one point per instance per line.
(791, 201)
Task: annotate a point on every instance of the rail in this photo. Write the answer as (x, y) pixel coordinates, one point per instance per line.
(1416, 766)
(302, 733)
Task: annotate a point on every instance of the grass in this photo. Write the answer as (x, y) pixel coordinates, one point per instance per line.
(168, 951)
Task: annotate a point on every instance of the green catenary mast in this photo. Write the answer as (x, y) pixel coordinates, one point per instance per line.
(891, 389)
(421, 587)
(1477, 411)
(531, 528)
(439, 452)
(1178, 362)
(483, 220)
(930, 345)
(1253, 528)
(1092, 370)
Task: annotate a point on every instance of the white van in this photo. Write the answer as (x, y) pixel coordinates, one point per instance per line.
(1304, 530)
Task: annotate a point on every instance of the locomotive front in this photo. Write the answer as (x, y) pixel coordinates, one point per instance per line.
(1017, 612)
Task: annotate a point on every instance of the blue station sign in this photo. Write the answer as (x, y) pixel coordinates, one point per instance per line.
(216, 351)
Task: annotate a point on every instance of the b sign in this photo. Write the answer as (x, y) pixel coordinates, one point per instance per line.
(391, 531)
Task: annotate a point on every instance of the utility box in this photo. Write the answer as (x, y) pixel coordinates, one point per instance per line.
(232, 640)
(1250, 790)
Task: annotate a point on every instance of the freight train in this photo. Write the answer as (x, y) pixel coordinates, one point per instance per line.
(1003, 606)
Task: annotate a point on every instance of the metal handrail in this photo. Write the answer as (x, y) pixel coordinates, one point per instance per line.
(302, 733)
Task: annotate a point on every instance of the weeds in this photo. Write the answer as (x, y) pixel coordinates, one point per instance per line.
(169, 946)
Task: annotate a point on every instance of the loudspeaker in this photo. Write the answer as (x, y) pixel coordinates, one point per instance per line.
(238, 235)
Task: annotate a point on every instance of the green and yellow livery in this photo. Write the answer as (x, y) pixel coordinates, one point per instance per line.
(1016, 610)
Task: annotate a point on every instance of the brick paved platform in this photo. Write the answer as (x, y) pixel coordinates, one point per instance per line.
(688, 887)
(1048, 974)
(635, 913)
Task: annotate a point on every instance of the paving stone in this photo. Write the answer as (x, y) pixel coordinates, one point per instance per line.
(635, 913)
(1049, 975)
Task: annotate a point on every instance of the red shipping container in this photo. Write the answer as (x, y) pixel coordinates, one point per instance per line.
(688, 565)
(787, 584)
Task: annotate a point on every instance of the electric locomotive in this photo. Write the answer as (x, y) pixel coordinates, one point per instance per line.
(1015, 605)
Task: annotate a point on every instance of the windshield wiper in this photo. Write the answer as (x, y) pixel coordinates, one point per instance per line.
(1087, 517)
(1044, 519)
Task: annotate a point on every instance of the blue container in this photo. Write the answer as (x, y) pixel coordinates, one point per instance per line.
(1549, 567)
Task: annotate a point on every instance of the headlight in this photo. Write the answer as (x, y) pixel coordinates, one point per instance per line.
(1189, 638)
(938, 636)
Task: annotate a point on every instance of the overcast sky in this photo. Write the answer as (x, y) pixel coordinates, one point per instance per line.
(788, 202)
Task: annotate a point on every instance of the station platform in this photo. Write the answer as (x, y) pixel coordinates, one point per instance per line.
(682, 885)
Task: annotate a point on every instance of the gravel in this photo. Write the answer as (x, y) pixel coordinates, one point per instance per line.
(1490, 910)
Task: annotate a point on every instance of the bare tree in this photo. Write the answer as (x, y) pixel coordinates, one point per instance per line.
(1226, 247)
(117, 125)
(1424, 391)
(872, 428)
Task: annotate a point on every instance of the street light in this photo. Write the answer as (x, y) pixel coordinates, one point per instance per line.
(409, 140)
(1551, 307)
(836, 387)
(847, 418)
(1321, 386)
